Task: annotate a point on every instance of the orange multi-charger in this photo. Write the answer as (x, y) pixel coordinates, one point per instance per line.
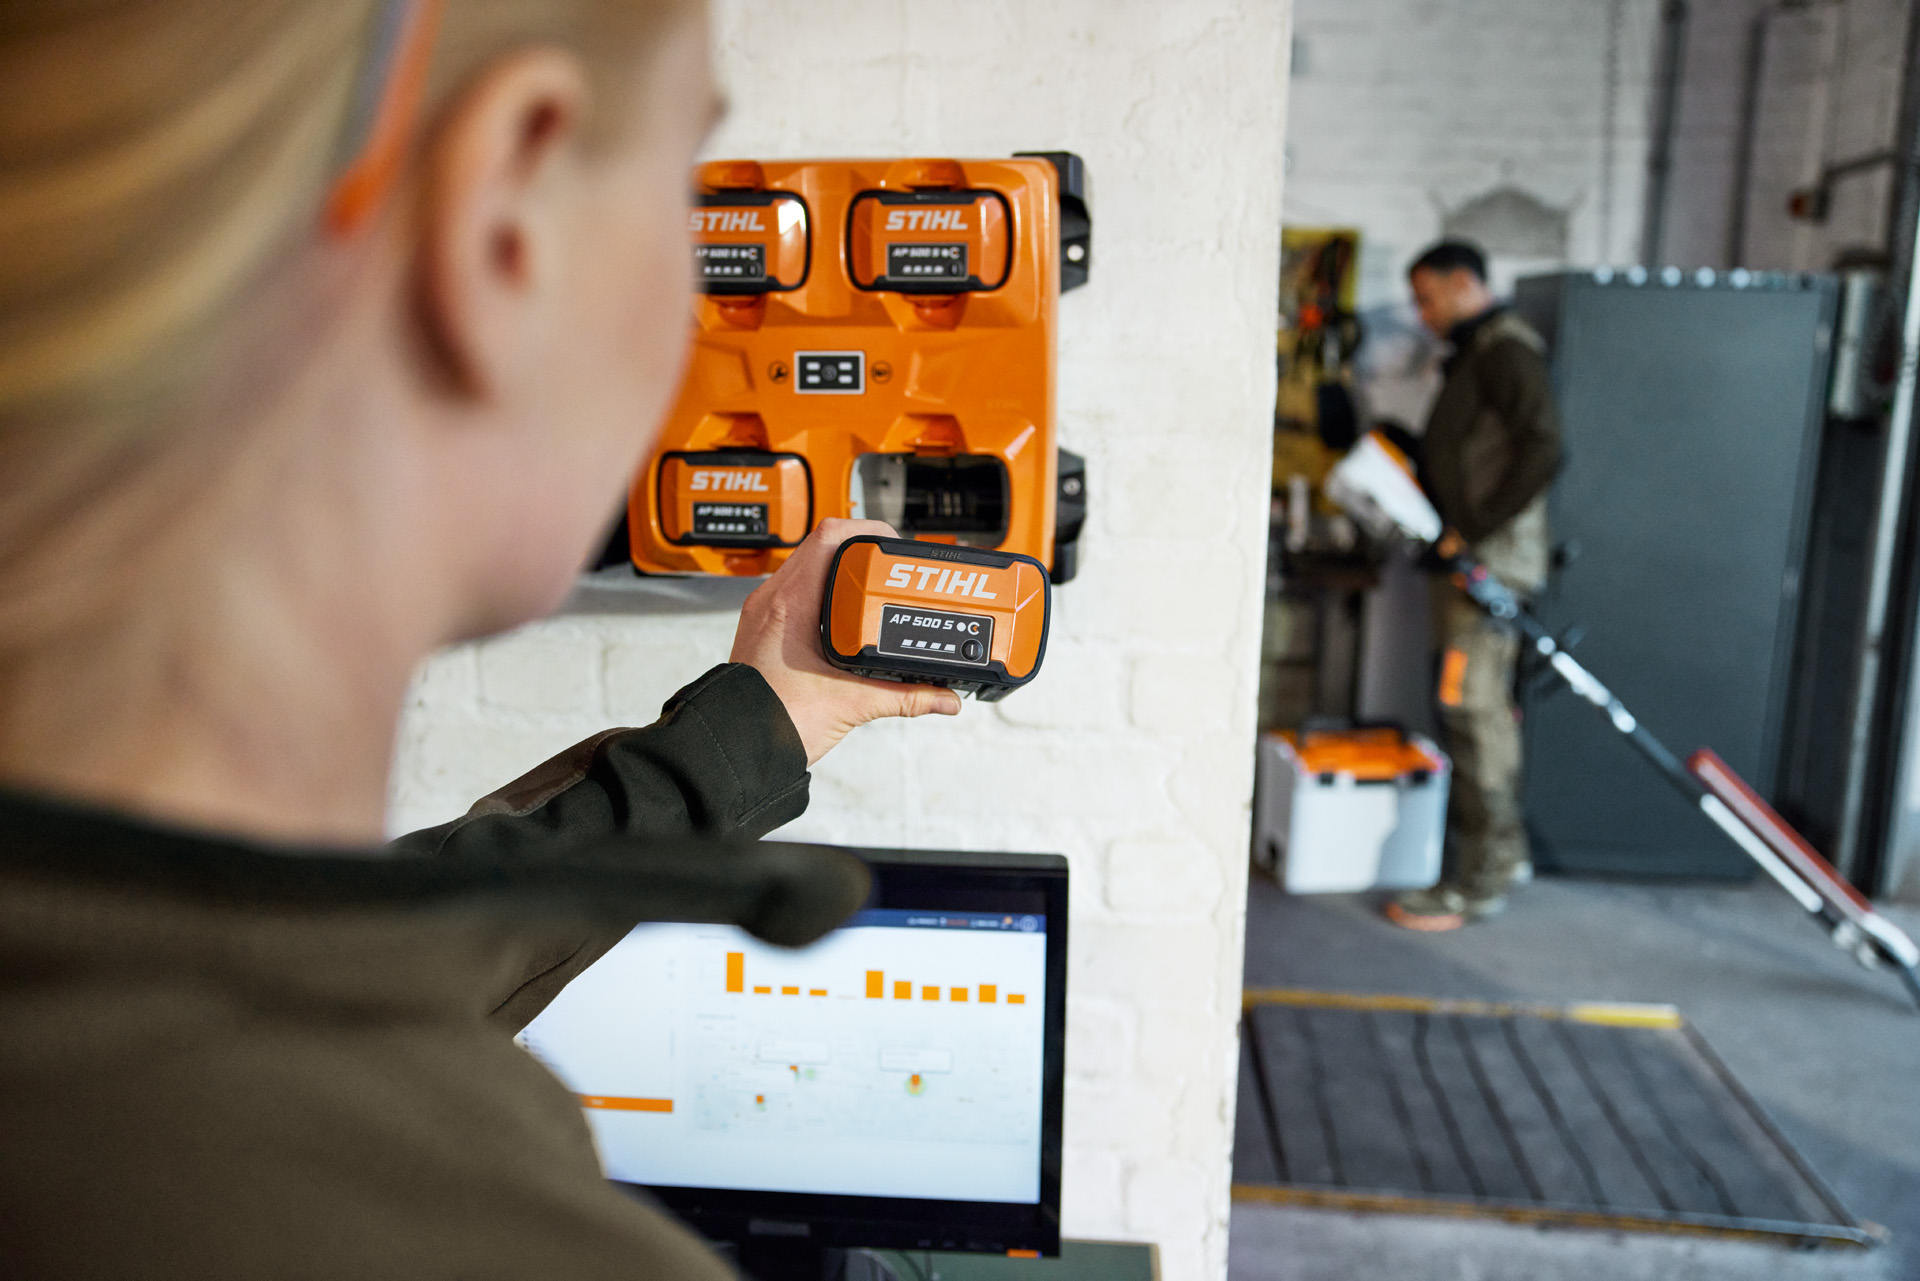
(873, 338)
(876, 339)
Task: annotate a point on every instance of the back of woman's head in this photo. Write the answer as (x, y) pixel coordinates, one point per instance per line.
(160, 160)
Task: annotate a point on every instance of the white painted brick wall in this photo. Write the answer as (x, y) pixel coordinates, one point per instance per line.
(1132, 752)
(1830, 92)
(1847, 51)
(1403, 108)
(1707, 130)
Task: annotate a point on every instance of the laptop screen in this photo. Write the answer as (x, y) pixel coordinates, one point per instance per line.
(900, 1056)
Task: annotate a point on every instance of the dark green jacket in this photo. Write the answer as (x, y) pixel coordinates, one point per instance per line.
(1492, 444)
(228, 1060)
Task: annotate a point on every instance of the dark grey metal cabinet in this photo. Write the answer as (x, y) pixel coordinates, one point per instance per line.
(1692, 408)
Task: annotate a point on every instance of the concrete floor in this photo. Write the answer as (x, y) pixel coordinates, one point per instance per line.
(1831, 1051)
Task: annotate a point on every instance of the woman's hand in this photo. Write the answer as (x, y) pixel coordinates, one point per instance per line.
(779, 636)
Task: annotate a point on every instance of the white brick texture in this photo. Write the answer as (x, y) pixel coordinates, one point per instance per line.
(1829, 92)
(1132, 753)
(1403, 109)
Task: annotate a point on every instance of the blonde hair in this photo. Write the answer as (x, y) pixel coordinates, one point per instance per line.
(158, 159)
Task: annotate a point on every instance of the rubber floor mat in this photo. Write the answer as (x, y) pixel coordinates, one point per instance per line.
(1607, 1116)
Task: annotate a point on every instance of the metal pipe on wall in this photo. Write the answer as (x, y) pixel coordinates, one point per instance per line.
(1878, 836)
(1673, 56)
(1884, 866)
(1736, 251)
(1747, 134)
(1609, 115)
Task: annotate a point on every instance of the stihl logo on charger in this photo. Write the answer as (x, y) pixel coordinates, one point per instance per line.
(727, 220)
(950, 581)
(752, 481)
(927, 220)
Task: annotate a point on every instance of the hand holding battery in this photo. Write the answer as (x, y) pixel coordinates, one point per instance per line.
(779, 636)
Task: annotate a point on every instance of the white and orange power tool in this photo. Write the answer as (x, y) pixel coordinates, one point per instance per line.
(1375, 485)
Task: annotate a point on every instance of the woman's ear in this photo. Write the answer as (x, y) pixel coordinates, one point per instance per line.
(496, 176)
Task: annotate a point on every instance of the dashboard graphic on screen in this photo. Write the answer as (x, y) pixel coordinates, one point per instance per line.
(900, 1056)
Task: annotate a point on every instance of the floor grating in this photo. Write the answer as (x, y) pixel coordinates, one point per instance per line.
(1610, 1116)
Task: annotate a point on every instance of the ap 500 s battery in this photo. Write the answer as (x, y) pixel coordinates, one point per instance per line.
(970, 619)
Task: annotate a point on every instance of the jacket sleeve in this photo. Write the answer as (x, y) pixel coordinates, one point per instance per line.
(1516, 386)
(723, 760)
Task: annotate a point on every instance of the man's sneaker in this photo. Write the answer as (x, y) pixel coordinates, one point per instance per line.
(1479, 909)
(1440, 909)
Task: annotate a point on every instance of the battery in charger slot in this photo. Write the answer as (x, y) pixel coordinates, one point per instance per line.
(735, 519)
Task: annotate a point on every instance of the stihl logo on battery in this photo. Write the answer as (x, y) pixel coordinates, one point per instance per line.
(950, 581)
(727, 220)
(927, 220)
(730, 481)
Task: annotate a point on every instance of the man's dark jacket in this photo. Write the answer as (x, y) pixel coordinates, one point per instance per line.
(228, 1060)
(1492, 444)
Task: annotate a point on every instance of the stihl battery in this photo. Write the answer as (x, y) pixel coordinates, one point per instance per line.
(930, 242)
(751, 242)
(734, 498)
(972, 620)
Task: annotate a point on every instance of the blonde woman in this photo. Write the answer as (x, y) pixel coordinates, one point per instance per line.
(330, 331)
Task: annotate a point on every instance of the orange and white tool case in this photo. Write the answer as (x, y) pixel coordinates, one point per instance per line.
(902, 308)
(1337, 812)
(966, 618)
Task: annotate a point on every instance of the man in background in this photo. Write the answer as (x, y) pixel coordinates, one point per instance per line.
(1491, 448)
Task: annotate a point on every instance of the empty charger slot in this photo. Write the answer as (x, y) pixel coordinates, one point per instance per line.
(963, 496)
